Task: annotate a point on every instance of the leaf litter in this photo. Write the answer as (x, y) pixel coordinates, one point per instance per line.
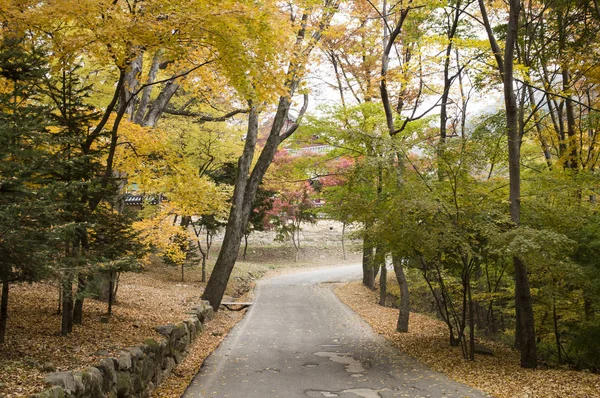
(499, 375)
(34, 347)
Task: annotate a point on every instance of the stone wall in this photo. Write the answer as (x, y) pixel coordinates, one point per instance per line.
(136, 371)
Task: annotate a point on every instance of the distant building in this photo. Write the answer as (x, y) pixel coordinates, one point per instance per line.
(309, 150)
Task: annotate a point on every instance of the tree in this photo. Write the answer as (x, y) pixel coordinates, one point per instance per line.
(525, 329)
(24, 206)
(309, 26)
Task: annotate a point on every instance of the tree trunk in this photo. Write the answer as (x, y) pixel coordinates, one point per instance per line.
(145, 100)
(402, 325)
(203, 268)
(367, 265)
(78, 306)
(209, 237)
(367, 260)
(471, 321)
(343, 241)
(215, 288)
(67, 313)
(59, 309)
(556, 332)
(246, 185)
(525, 327)
(111, 287)
(4, 311)
(245, 246)
(159, 104)
(383, 285)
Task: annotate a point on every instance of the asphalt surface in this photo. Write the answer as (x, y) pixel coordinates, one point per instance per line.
(299, 340)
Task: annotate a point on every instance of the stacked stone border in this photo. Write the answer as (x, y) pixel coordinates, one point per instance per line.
(136, 371)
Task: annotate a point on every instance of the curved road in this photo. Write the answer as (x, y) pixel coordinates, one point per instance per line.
(299, 340)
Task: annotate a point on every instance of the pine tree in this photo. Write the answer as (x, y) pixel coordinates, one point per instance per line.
(23, 122)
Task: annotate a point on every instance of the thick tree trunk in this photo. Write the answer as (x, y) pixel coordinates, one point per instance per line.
(3, 311)
(145, 100)
(217, 283)
(159, 104)
(131, 84)
(403, 316)
(244, 194)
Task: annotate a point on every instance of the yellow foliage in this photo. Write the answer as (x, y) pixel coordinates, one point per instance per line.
(160, 233)
(150, 158)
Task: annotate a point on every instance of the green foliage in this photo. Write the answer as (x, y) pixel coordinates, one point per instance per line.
(25, 211)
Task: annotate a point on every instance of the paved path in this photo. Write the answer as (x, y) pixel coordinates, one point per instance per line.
(299, 340)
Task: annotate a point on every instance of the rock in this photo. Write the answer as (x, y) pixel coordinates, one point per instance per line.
(182, 344)
(54, 392)
(109, 375)
(124, 387)
(151, 345)
(102, 353)
(178, 356)
(192, 325)
(96, 381)
(165, 330)
(180, 331)
(124, 361)
(65, 380)
(137, 357)
(209, 313)
(148, 391)
(205, 311)
(135, 352)
(483, 350)
(136, 384)
(79, 382)
(168, 365)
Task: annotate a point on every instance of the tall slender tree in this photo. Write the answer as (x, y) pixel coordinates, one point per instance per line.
(525, 327)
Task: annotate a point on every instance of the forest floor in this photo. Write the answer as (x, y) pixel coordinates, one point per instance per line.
(154, 297)
(499, 375)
